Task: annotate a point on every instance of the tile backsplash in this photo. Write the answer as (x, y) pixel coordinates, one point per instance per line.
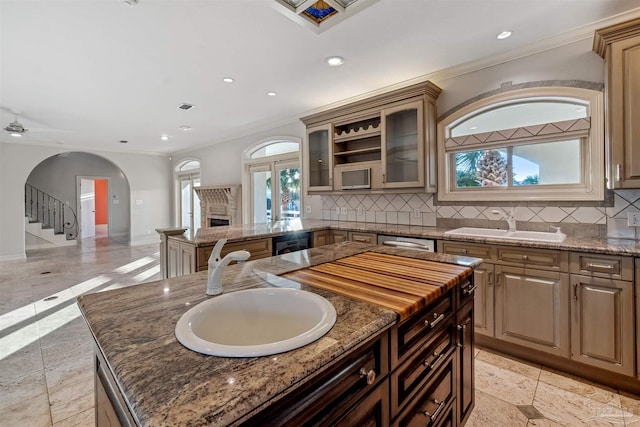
(420, 209)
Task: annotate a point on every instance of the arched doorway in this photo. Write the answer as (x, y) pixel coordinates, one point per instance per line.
(84, 193)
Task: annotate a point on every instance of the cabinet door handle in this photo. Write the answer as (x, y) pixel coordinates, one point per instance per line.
(618, 172)
(469, 290)
(437, 319)
(498, 279)
(525, 257)
(435, 361)
(600, 266)
(489, 280)
(384, 178)
(369, 375)
(575, 292)
(433, 416)
(462, 329)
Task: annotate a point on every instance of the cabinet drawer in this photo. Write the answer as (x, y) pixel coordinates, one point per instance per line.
(408, 378)
(429, 408)
(466, 249)
(615, 267)
(258, 248)
(552, 259)
(356, 236)
(334, 391)
(411, 334)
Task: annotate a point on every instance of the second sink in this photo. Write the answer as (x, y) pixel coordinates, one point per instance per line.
(532, 236)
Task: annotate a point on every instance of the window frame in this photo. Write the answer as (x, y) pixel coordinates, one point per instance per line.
(592, 187)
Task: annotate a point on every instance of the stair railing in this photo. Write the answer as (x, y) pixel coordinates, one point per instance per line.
(51, 212)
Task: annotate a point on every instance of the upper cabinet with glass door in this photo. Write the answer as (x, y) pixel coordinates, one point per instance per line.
(619, 45)
(383, 142)
(403, 146)
(318, 156)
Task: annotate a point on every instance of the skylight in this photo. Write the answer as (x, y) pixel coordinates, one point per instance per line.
(320, 14)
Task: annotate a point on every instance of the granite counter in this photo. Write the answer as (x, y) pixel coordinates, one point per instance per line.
(164, 383)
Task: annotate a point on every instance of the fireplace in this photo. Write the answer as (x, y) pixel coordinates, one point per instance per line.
(220, 205)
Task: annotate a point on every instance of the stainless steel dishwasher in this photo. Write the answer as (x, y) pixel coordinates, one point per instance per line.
(426, 245)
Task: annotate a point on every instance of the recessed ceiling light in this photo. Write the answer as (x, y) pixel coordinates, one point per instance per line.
(17, 135)
(164, 138)
(123, 141)
(271, 93)
(503, 35)
(185, 127)
(227, 80)
(130, 2)
(334, 61)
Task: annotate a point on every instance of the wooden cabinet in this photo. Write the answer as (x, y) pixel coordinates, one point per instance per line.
(465, 370)
(383, 142)
(339, 236)
(318, 158)
(258, 248)
(637, 301)
(321, 238)
(181, 258)
(110, 407)
(602, 323)
(403, 145)
(531, 308)
(361, 237)
(619, 45)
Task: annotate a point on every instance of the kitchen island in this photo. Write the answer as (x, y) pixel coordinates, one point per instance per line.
(145, 377)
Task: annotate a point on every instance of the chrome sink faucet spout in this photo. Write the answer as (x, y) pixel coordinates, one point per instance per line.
(217, 265)
(511, 219)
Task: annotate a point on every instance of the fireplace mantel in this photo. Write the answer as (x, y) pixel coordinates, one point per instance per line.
(220, 202)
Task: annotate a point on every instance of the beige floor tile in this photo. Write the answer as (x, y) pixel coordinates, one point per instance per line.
(17, 389)
(33, 412)
(544, 422)
(578, 385)
(504, 384)
(572, 409)
(76, 368)
(631, 406)
(527, 369)
(71, 399)
(24, 361)
(83, 419)
(492, 412)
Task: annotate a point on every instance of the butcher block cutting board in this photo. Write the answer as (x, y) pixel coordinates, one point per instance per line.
(402, 284)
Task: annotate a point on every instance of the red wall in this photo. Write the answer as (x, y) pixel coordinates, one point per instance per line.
(101, 201)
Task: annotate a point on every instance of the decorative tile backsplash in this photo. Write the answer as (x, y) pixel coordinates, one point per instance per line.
(419, 209)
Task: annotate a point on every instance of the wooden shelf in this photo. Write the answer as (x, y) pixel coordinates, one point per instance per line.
(357, 134)
(360, 151)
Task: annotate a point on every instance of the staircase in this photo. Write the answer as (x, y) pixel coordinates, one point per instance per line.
(48, 221)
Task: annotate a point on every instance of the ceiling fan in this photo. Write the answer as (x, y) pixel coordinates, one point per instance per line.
(15, 128)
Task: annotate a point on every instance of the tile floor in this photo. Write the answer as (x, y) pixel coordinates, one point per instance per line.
(46, 353)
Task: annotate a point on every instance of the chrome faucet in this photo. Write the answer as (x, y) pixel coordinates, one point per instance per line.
(217, 265)
(511, 219)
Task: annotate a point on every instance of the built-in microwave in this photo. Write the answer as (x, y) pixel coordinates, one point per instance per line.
(356, 178)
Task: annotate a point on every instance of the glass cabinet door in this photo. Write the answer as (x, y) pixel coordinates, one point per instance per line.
(403, 146)
(319, 164)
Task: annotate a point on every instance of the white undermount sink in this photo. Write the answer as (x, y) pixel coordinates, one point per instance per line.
(255, 322)
(532, 236)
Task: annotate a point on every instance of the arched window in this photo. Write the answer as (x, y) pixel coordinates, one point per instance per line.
(187, 179)
(272, 180)
(544, 143)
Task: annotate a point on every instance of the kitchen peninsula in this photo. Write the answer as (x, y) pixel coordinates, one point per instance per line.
(421, 359)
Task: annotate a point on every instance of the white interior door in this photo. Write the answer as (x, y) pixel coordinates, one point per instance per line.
(87, 208)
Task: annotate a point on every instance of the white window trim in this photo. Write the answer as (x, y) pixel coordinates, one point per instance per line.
(250, 164)
(177, 195)
(593, 186)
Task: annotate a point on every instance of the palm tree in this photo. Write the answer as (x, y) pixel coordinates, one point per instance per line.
(492, 169)
(289, 186)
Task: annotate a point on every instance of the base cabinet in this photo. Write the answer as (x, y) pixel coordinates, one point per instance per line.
(465, 368)
(181, 258)
(602, 323)
(531, 308)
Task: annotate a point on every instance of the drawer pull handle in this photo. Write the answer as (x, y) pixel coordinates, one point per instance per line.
(618, 172)
(469, 290)
(464, 251)
(600, 266)
(437, 319)
(435, 361)
(370, 376)
(434, 416)
(525, 257)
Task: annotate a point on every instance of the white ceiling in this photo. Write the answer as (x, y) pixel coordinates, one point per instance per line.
(90, 73)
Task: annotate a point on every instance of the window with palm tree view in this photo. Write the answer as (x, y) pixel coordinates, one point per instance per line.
(537, 143)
